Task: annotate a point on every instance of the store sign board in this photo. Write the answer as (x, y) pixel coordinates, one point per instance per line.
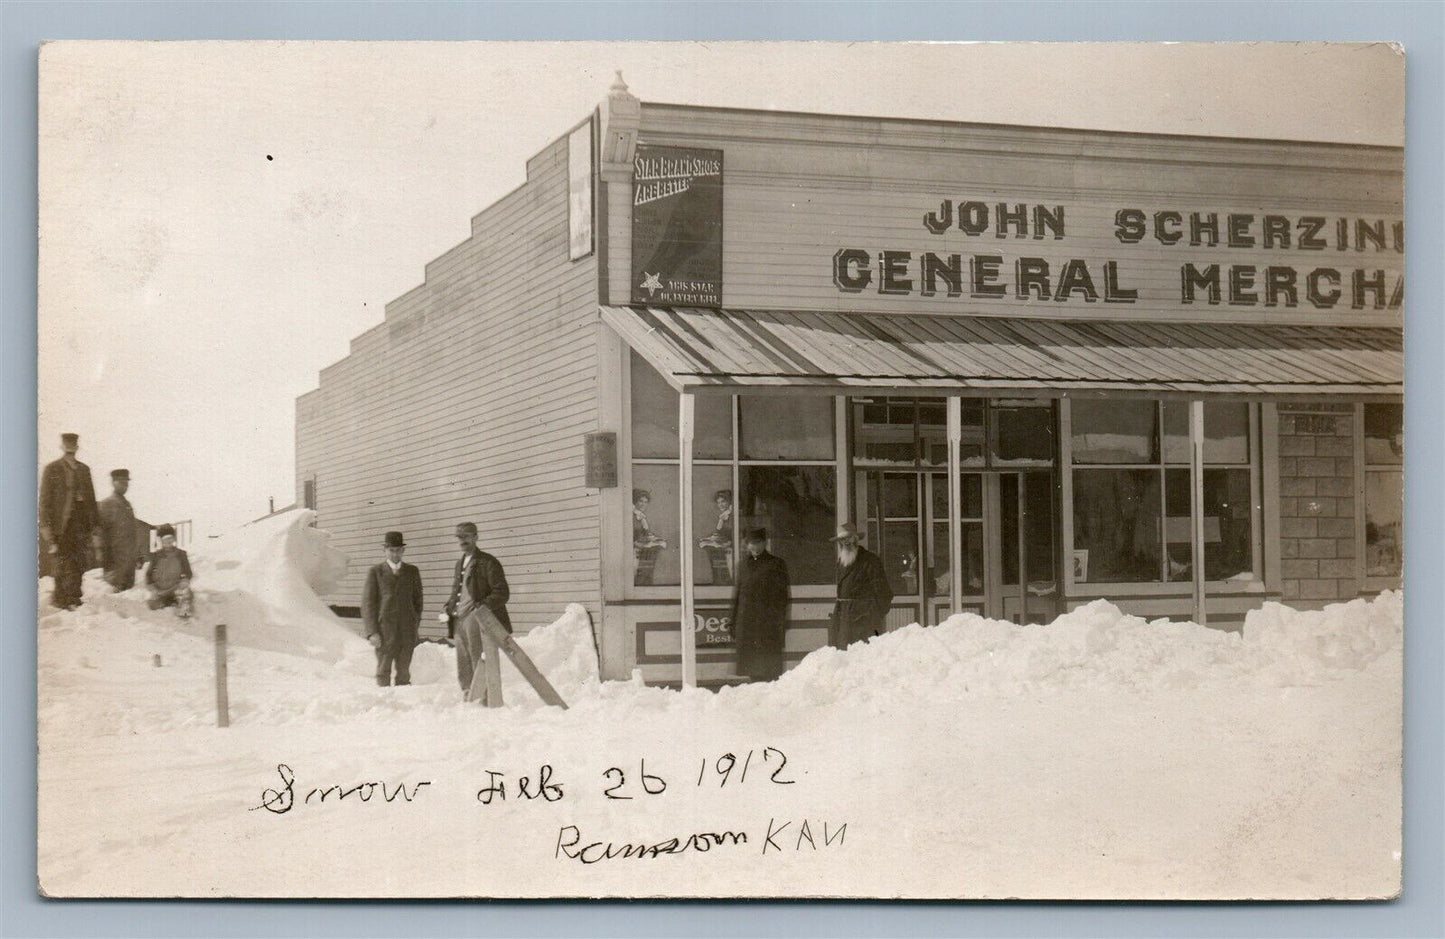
(880, 244)
(677, 232)
(579, 192)
(973, 248)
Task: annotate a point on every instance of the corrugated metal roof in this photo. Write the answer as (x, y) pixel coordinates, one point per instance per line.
(697, 348)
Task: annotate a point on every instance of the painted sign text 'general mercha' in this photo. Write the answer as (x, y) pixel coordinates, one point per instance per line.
(1343, 277)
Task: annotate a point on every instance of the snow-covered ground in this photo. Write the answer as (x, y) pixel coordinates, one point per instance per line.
(1098, 756)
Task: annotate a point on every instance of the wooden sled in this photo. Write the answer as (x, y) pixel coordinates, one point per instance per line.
(487, 680)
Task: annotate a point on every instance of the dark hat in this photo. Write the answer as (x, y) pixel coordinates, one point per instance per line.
(163, 530)
(393, 539)
(120, 474)
(723, 494)
(69, 438)
(847, 534)
(641, 494)
(756, 534)
(468, 527)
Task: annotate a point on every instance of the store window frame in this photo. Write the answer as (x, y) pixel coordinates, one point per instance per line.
(1164, 587)
(1372, 583)
(710, 593)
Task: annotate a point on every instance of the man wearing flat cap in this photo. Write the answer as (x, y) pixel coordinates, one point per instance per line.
(759, 617)
(391, 611)
(864, 595)
(69, 521)
(118, 549)
(477, 581)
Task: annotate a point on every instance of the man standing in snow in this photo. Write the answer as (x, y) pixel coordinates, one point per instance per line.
(391, 610)
(117, 522)
(169, 575)
(760, 609)
(477, 581)
(69, 521)
(864, 596)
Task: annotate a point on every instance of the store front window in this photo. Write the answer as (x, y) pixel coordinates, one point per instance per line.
(780, 475)
(1384, 490)
(1131, 501)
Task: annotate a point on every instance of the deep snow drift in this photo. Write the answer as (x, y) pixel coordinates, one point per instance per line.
(1100, 755)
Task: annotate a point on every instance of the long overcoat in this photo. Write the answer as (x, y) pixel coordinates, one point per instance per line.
(760, 615)
(486, 583)
(864, 597)
(391, 604)
(119, 551)
(67, 501)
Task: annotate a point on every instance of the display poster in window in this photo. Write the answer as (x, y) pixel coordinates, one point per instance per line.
(677, 218)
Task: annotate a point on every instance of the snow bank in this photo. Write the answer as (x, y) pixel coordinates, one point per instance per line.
(263, 581)
(1097, 646)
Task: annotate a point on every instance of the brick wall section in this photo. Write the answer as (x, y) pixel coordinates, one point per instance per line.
(1317, 507)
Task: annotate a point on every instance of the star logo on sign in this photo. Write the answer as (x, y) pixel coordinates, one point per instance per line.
(651, 283)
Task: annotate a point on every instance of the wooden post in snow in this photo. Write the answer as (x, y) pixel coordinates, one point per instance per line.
(685, 417)
(223, 704)
(955, 505)
(1196, 504)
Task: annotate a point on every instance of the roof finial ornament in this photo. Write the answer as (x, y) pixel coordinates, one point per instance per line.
(619, 87)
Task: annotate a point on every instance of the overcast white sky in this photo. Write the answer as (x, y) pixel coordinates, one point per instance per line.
(218, 220)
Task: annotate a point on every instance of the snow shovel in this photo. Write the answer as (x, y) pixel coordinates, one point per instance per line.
(491, 628)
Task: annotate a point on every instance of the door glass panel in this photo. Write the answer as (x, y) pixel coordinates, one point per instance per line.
(938, 555)
(970, 496)
(1039, 553)
(900, 556)
(1008, 534)
(900, 495)
(973, 558)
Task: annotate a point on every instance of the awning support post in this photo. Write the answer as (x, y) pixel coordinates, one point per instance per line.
(955, 504)
(685, 421)
(1196, 504)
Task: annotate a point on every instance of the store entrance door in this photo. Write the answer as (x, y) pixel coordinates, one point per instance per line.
(1007, 524)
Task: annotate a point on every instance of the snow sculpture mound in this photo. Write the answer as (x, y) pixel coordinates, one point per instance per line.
(262, 580)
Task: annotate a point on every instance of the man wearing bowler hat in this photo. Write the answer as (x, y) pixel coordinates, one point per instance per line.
(477, 581)
(118, 550)
(864, 595)
(759, 617)
(391, 610)
(69, 521)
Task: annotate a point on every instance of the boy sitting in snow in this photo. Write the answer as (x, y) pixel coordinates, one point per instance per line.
(169, 575)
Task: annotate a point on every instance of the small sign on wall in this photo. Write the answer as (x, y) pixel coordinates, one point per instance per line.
(601, 460)
(677, 195)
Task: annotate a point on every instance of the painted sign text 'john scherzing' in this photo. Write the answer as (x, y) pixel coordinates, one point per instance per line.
(1343, 278)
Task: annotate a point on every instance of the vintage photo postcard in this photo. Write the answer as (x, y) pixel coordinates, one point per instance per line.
(729, 470)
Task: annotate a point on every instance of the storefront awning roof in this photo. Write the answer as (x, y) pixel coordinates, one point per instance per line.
(696, 349)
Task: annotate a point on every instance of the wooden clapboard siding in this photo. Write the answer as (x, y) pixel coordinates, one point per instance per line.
(797, 188)
(468, 403)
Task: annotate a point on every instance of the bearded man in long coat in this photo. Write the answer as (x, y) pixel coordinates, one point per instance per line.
(760, 609)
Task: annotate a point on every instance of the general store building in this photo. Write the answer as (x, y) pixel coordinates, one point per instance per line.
(1035, 366)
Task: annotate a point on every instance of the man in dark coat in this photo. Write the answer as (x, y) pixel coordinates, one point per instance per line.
(391, 611)
(864, 596)
(760, 609)
(69, 521)
(477, 581)
(118, 553)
